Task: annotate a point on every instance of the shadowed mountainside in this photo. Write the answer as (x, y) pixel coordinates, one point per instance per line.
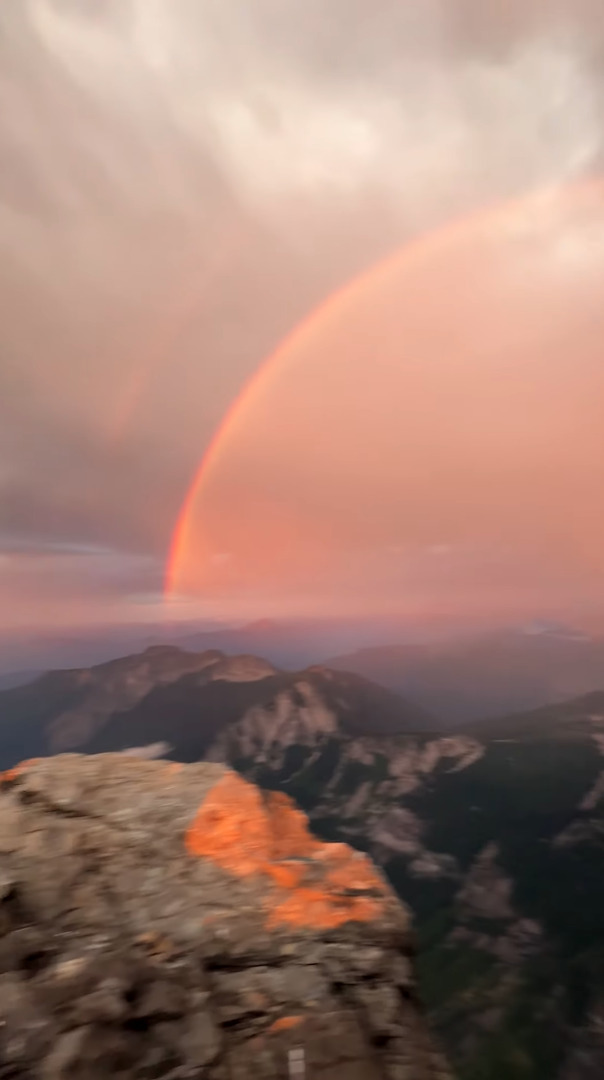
(495, 839)
(183, 700)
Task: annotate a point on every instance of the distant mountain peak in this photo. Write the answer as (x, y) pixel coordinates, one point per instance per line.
(261, 626)
(158, 650)
(551, 628)
(243, 668)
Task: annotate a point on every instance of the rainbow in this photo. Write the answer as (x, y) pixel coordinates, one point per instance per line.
(192, 292)
(515, 213)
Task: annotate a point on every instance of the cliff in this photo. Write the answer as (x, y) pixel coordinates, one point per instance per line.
(159, 920)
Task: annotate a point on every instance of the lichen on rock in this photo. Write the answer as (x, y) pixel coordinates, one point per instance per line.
(309, 884)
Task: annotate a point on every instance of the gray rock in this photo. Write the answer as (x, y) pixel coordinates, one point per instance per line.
(165, 921)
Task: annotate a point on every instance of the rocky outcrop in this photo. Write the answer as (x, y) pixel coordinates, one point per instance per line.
(487, 891)
(296, 716)
(159, 920)
(496, 844)
(355, 783)
(242, 669)
(586, 1060)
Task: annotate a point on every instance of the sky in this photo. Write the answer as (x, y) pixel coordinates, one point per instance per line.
(181, 183)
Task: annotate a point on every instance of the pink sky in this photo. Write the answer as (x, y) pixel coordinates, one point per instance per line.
(436, 437)
(180, 185)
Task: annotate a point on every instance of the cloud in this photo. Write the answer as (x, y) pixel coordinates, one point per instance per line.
(301, 103)
(60, 583)
(182, 180)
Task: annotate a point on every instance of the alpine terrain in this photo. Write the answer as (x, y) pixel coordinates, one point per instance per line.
(493, 835)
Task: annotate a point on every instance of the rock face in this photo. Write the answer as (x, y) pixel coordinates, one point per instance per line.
(496, 844)
(159, 920)
(242, 669)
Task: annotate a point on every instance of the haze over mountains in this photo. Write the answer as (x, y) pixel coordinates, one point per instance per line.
(489, 675)
(457, 675)
(291, 643)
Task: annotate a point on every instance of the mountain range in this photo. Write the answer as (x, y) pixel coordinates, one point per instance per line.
(180, 699)
(489, 675)
(292, 643)
(493, 835)
(456, 676)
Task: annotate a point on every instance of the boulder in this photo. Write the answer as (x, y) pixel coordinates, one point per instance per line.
(162, 920)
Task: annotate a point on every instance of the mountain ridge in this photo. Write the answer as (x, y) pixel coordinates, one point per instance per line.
(124, 703)
(468, 680)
